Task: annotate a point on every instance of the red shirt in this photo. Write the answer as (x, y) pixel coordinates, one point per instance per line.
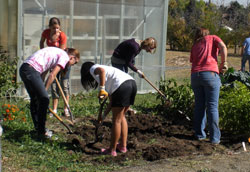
(204, 54)
(62, 39)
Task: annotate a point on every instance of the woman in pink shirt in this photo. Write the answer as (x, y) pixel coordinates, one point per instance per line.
(206, 82)
(33, 72)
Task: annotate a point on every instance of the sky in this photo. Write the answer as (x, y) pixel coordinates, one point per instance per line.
(226, 2)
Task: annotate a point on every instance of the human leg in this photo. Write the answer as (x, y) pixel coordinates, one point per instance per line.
(39, 100)
(117, 128)
(212, 90)
(248, 58)
(124, 129)
(55, 96)
(199, 111)
(243, 62)
(66, 91)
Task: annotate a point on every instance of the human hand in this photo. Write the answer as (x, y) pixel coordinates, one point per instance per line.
(223, 67)
(102, 94)
(140, 74)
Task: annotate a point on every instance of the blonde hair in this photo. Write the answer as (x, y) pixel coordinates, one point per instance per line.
(151, 42)
(73, 52)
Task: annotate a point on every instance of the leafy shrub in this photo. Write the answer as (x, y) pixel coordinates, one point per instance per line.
(8, 68)
(234, 108)
(232, 75)
(181, 97)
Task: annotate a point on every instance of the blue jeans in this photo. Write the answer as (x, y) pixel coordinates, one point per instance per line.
(39, 99)
(244, 59)
(206, 87)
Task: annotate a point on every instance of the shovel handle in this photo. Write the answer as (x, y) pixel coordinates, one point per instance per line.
(65, 100)
(156, 89)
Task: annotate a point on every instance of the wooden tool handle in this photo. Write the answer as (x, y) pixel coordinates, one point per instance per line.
(65, 100)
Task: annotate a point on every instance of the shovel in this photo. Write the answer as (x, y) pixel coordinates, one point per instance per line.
(57, 117)
(150, 83)
(65, 100)
(168, 103)
(98, 137)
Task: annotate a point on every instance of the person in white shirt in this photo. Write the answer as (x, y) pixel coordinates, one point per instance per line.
(121, 90)
(33, 72)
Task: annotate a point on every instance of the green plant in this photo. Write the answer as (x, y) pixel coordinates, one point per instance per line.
(232, 75)
(8, 68)
(181, 97)
(234, 108)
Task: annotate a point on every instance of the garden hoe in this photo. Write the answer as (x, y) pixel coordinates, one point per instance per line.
(57, 117)
(65, 101)
(98, 137)
(168, 103)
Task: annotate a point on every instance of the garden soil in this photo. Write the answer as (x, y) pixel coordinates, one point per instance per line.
(161, 143)
(157, 143)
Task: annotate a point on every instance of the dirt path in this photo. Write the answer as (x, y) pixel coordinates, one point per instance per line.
(237, 162)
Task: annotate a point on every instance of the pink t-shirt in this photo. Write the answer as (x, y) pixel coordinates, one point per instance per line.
(204, 54)
(47, 58)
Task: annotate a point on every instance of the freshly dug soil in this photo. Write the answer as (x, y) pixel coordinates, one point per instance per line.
(150, 138)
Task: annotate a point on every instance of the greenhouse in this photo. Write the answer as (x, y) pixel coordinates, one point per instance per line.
(94, 27)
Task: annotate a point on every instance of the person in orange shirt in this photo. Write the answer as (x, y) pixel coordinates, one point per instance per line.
(54, 37)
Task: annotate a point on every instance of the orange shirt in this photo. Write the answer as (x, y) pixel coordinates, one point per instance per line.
(62, 39)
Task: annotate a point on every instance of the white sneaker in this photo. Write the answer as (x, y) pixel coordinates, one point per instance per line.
(48, 134)
(51, 115)
(66, 112)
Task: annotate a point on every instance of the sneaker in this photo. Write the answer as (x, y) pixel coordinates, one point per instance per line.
(66, 112)
(48, 133)
(108, 152)
(51, 115)
(121, 148)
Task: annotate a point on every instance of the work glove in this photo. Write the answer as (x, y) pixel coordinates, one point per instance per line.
(140, 74)
(223, 67)
(102, 93)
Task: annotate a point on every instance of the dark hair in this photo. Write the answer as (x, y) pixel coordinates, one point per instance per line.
(200, 33)
(87, 80)
(54, 20)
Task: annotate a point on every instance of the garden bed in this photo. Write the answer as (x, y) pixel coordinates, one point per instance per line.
(150, 138)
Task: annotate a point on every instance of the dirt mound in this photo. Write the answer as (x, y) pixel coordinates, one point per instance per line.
(150, 138)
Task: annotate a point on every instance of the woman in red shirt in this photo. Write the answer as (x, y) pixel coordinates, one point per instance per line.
(206, 82)
(54, 37)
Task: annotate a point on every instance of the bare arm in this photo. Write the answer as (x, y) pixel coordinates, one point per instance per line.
(62, 46)
(242, 50)
(42, 40)
(101, 72)
(43, 75)
(223, 52)
(52, 76)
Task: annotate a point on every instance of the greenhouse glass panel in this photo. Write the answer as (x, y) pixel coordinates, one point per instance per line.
(96, 27)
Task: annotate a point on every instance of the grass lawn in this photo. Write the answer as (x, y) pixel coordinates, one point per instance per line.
(21, 152)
